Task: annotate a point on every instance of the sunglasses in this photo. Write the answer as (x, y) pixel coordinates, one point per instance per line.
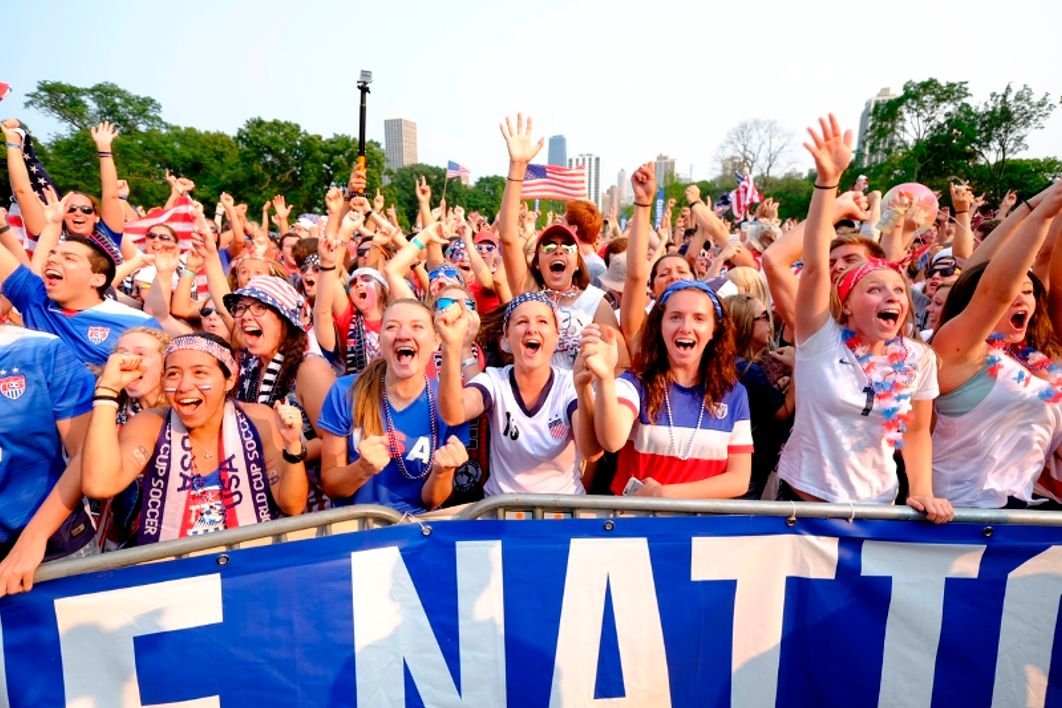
(362, 252)
(445, 272)
(160, 237)
(206, 311)
(486, 247)
(765, 316)
(444, 302)
(945, 272)
(568, 248)
(257, 308)
(83, 208)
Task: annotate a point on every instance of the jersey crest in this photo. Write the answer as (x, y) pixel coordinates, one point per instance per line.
(13, 386)
(98, 335)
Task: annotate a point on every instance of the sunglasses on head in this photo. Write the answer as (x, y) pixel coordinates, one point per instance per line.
(444, 302)
(83, 208)
(206, 311)
(549, 248)
(160, 237)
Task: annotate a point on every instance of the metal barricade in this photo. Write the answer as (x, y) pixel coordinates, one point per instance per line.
(295, 528)
(561, 506)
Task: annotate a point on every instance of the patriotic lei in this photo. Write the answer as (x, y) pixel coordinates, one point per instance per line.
(890, 381)
(1035, 363)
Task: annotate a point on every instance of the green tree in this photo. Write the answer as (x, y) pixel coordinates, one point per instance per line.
(1004, 122)
(81, 108)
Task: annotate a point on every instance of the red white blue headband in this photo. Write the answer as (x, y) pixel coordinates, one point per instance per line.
(853, 275)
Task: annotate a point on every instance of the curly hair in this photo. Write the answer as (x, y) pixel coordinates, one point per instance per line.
(717, 371)
(293, 347)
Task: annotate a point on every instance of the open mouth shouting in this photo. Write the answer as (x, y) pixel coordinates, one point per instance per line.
(685, 344)
(52, 277)
(187, 405)
(1019, 320)
(405, 354)
(888, 317)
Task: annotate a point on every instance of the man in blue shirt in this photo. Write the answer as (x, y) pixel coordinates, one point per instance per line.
(45, 401)
(69, 300)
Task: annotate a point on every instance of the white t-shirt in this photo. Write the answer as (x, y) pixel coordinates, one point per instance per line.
(835, 452)
(531, 450)
(571, 320)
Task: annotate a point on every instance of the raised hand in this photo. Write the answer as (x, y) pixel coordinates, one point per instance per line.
(103, 135)
(692, 193)
(227, 201)
(352, 221)
(599, 350)
(123, 189)
(280, 205)
(452, 454)
(520, 142)
(423, 190)
(851, 205)
(962, 197)
(360, 204)
(357, 182)
(328, 250)
(452, 324)
(378, 202)
(11, 131)
(643, 183)
(54, 207)
(831, 149)
(1009, 200)
(120, 371)
(333, 201)
(184, 186)
(375, 452)
(289, 420)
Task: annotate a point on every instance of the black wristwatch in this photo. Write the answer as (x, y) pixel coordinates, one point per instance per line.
(296, 459)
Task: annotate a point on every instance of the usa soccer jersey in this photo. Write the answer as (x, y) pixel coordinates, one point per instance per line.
(91, 333)
(41, 382)
(391, 487)
(655, 447)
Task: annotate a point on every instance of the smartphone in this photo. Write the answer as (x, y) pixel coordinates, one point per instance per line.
(633, 485)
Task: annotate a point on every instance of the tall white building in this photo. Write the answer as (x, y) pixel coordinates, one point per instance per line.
(884, 95)
(593, 175)
(621, 189)
(665, 169)
(400, 142)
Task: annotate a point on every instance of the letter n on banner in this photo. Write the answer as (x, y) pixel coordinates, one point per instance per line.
(391, 630)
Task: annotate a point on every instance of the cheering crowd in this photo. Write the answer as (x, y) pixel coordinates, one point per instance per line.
(172, 375)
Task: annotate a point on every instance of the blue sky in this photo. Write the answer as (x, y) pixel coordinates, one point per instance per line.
(624, 80)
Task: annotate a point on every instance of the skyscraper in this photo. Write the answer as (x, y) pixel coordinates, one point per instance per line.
(864, 121)
(558, 151)
(593, 175)
(665, 169)
(400, 142)
(621, 189)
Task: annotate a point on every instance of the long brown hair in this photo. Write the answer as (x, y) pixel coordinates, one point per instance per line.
(717, 371)
(367, 391)
(743, 315)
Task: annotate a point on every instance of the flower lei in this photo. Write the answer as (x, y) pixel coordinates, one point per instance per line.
(890, 382)
(1035, 363)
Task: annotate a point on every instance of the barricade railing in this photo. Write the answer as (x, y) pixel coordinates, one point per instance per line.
(561, 506)
(295, 528)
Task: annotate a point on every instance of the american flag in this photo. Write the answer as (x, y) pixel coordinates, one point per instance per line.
(39, 178)
(455, 170)
(745, 195)
(553, 182)
(558, 429)
(181, 218)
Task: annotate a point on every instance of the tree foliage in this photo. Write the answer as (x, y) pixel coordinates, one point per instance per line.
(762, 145)
(81, 108)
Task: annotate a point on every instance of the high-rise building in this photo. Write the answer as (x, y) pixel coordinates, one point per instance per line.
(558, 151)
(621, 189)
(665, 169)
(593, 175)
(864, 121)
(400, 142)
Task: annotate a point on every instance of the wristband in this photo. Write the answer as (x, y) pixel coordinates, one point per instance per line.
(326, 268)
(417, 242)
(187, 272)
(295, 459)
(5, 228)
(643, 205)
(368, 215)
(106, 388)
(1027, 204)
(104, 153)
(513, 179)
(105, 403)
(964, 211)
(695, 202)
(13, 145)
(826, 186)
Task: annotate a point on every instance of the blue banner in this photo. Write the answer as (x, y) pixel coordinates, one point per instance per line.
(659, 208)
(693, 611)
